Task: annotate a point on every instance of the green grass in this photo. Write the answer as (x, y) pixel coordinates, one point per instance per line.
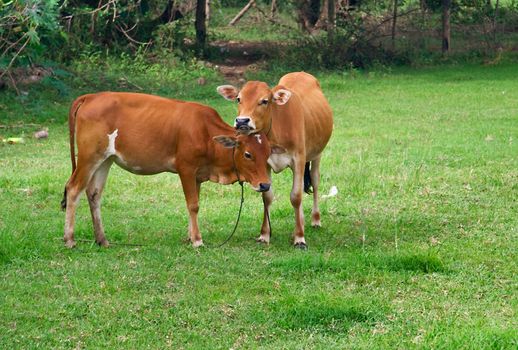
(418, 249)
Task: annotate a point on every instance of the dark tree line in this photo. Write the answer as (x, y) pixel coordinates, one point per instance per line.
(32, 28)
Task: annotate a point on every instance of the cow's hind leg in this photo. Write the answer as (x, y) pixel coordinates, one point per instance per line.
(75, 186)
(315, 180)
(94, 192)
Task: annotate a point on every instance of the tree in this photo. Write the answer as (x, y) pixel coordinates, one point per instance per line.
(394, 22)
(201, 27)
(331, 19)
(309, 13)
(446, 8)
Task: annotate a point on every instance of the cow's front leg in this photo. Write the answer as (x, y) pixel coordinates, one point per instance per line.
(296, 202)
(191, 189)
(265, 228)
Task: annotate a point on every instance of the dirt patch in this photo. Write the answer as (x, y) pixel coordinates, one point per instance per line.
(239, 58)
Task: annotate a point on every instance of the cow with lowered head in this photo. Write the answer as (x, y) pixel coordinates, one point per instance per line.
(146, 135)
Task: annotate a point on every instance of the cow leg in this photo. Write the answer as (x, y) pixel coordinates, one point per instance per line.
(296, 202)
(191, 189)
(267, 201)
(265, 228)
(94, 192)
(315, 181)
(75, 186)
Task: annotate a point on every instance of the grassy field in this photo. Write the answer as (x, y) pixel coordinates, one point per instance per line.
(417, 250)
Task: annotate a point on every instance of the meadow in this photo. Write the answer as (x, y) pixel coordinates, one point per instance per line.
(417, 251)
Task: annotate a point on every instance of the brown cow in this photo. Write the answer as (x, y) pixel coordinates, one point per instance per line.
(147, 135)
(295, 115)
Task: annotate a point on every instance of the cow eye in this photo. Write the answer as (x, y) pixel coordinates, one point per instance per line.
(264, 102)
(248, 155)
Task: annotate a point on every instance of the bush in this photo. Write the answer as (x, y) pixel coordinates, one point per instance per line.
(29, 30)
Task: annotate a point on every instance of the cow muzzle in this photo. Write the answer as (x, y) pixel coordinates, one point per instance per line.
(264, 187)
(244, 124)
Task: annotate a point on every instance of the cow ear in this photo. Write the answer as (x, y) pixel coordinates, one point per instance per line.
(276, 149)
(228, 92)
(226, 141)
(281, 96)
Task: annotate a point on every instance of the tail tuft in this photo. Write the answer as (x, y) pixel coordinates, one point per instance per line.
(64, 200)
(307, 180)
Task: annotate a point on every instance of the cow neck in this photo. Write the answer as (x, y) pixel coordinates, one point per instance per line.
(271, 126)
(267, 133)
(224, 166)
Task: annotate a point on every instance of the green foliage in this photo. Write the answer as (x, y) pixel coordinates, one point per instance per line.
(29, 29)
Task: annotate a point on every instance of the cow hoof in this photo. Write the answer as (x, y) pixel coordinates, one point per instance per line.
(301, 246)
(70, 243)
(103, 243)
(263, 238)
(316, 225)
(197, 244)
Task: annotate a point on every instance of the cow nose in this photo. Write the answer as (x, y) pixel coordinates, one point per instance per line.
(242, 122)
(264, 187)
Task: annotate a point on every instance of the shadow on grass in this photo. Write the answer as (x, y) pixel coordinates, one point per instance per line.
(319, 312)
(426, 262)
(353, 263)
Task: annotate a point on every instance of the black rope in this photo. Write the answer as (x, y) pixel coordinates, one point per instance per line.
(270, 128)
(240, 205)
(237, 221)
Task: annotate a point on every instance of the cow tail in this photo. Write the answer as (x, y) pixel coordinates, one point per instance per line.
(72, 114)
(307, 179)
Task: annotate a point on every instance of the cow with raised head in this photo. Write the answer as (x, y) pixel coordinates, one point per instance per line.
(146, 135)
(295, 115)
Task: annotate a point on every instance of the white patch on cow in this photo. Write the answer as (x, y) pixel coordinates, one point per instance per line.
(110, 151)
(258, 137)
(279, 162)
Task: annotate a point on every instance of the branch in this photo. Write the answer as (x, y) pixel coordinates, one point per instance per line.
(14, 57)
(241, 13)
(130, 38)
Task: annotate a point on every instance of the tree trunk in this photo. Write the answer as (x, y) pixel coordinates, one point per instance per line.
(330, 20)
(446, 6)
(494, 21)
(309, 12)
(201, 29)
(394, 21)
(207, 11)
(273, 10)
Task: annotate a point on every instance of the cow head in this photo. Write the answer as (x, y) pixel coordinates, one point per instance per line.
(254, 103)
(251, 153)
